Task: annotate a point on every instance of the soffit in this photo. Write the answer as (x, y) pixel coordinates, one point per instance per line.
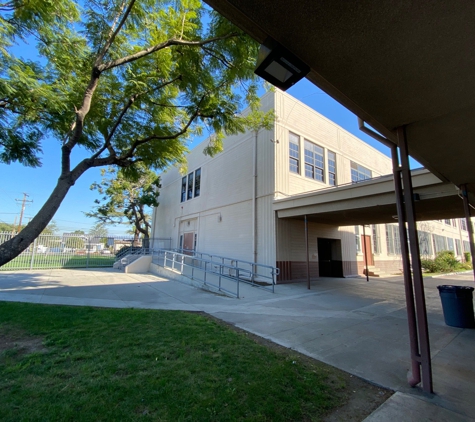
(391, 63)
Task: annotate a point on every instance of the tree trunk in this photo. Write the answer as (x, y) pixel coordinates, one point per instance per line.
(16, 245)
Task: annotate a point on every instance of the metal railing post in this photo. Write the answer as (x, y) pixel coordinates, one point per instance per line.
(32, 261)
(237, 289)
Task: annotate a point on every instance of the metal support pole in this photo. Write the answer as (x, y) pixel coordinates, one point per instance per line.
(466, 206)
(32, 262)
(415, 377)
(306, 253)
(365, 253)
(421, 311)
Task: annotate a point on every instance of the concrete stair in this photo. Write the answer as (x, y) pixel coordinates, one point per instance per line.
(375, 272)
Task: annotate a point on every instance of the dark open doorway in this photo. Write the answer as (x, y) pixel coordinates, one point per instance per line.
(329, 258)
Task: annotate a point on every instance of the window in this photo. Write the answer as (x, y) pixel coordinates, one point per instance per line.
(376, 241)
(183, 189)
(359, 173)
(440, 243)
(447, 222)
(294, 159)
(393, 243)
(466, 246)
(458, 247)
(425, 243)
(314, 164)
(197, 182)
(191, 185)
(463, 224)
(331, 158)
(450, 244)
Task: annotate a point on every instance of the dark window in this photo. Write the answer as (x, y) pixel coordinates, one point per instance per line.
(331, 168)
(463, 224)
(197, 182)
(359, 173)
(183, 189)
(314, 164)
(190, 186)
(294, 156)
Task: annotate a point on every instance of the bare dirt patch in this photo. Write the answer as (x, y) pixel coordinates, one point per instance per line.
(21, 343)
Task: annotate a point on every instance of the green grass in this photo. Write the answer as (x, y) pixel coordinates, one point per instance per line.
(58, 261)
(121, 365)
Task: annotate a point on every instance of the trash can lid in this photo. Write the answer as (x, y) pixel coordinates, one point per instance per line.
(450, 288)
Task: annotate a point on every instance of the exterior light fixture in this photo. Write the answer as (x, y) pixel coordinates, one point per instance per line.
(279, 66)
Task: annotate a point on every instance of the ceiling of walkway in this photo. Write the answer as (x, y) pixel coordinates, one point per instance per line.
(393, 63)
(373, 202)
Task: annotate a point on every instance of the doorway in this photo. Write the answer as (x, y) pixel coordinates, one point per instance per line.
(367, 254)
(189, 242)
(329, 258)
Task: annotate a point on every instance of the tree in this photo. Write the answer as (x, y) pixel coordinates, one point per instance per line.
(51, 228)
(127, 197)
(127, 81)
(75, 240)
(99, 230)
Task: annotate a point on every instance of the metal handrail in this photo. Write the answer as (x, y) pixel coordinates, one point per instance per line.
(233, 271)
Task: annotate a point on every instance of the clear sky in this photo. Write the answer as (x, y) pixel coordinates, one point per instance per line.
(38, 183)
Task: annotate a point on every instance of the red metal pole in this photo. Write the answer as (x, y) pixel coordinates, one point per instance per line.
(415, 377)
(466, 206)
(421, 312)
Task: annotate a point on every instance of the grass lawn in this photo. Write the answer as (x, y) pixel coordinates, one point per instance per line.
(23, 261)
(90, 364)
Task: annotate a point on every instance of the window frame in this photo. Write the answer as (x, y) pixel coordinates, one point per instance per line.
(359, 170)
(313, 165)
(330, 173)
(292, 159)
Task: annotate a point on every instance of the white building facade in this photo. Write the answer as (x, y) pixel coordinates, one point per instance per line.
(224, 205)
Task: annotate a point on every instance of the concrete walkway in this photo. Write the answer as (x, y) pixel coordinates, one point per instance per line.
(352, 324)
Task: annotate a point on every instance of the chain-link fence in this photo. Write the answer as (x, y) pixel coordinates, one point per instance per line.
(71, 250)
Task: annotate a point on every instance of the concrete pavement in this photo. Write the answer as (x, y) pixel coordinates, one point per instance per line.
(357, 326)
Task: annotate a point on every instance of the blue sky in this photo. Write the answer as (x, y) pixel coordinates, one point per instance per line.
(38, 183)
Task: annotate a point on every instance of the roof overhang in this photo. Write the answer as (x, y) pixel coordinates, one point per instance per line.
(373, 202)
(393, 64)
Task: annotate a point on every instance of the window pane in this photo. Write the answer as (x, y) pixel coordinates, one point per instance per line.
(359, 173)
(190, 186)
(183, 189)
(197, 182)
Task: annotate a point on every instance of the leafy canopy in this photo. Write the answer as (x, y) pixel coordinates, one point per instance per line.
(129, 81)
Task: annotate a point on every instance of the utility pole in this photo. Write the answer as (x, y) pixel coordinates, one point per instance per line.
(23, 204)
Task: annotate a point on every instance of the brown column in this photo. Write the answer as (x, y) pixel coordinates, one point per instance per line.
(415, 377)
(421, 312)
(466, 206)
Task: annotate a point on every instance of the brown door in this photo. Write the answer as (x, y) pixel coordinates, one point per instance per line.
(188, 240)
(367, 254)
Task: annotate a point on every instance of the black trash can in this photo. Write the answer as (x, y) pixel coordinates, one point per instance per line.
(457, 304)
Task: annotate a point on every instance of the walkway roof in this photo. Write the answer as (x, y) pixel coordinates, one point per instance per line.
(393, 63)
(373, 202)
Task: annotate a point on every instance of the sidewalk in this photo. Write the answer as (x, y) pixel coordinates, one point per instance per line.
(352, 324)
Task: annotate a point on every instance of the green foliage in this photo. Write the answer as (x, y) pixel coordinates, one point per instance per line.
(128, 194)
(444, 261)
(51, 228)
(467, 257)
(159, 76)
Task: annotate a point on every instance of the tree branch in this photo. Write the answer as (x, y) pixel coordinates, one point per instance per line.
(107, 143)
(171, 42)
(113, 34)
